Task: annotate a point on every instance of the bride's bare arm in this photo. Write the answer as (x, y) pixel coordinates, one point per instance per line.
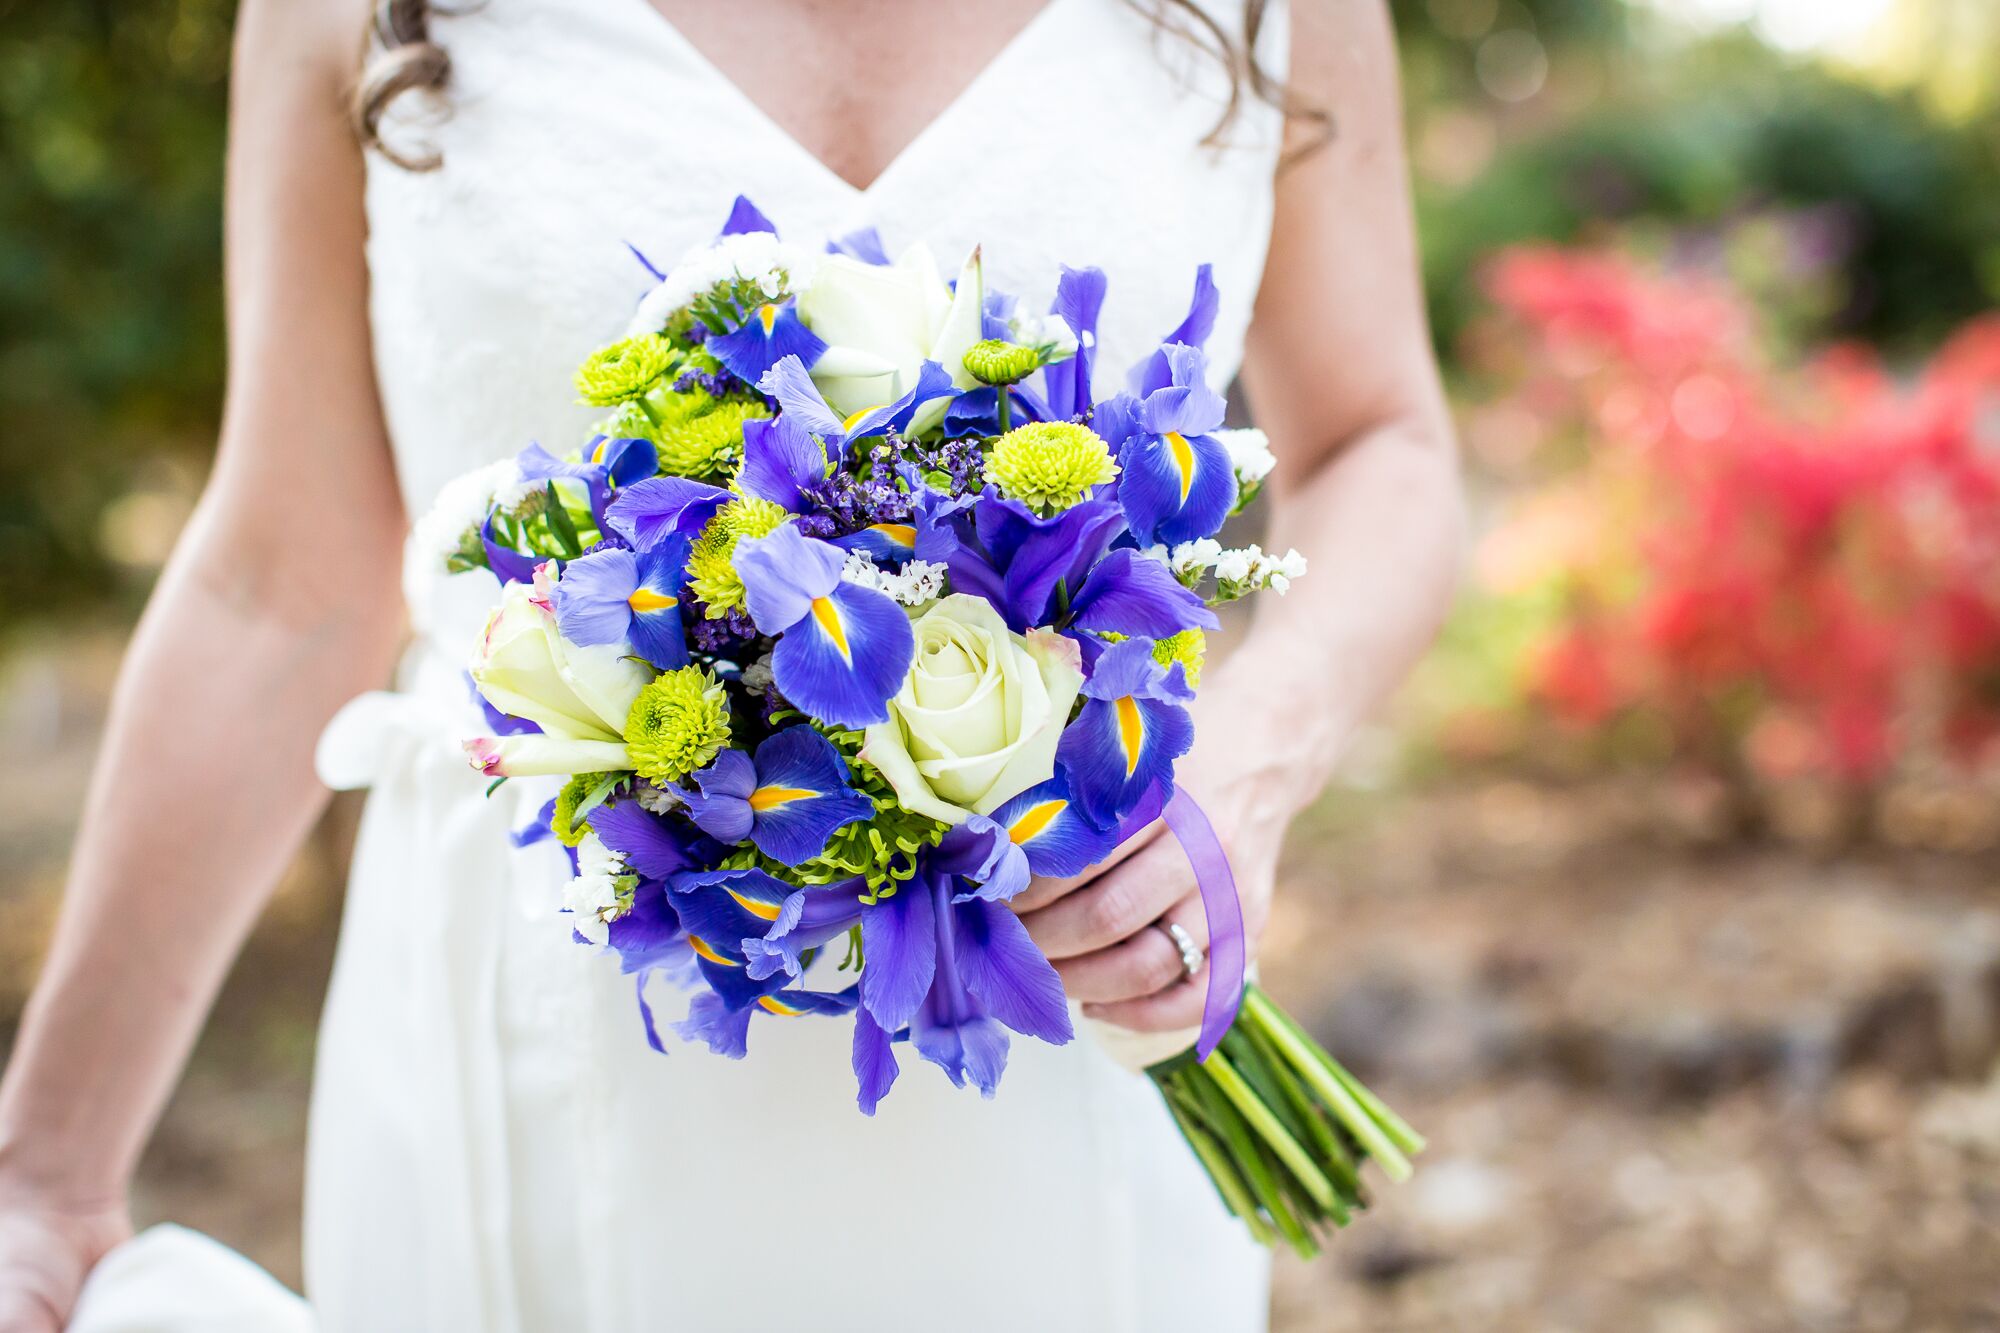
(279, 603)
(1340, 374)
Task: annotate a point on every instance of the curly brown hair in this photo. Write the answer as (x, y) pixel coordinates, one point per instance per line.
(402, 58)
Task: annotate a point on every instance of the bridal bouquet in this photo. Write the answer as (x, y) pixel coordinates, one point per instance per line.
(859, 608)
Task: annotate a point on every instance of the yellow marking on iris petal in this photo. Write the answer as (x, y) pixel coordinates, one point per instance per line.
(1131, 732)
(903, 534)
(644, 600)
(762, 911)
(848, 424)
(828, 616)
(1183, 454)
(770, 798)
(700, 946)
(772, 1004)
(769, 315)
(1034, 819)
(597, 454)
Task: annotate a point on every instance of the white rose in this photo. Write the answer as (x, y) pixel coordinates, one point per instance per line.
(978, 717)
(881, 324)
(578, 696)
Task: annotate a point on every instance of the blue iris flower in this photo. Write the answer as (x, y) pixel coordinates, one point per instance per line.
(768, 334)
(1134, 724)
(1156, 371)
(1175, 482)
(842, 649)
(1051, 831)
(950, 967)
(999, 549)
(788, 800)
(659, 509)
(1078, 302)
(619, 596)
(606, 466)
(800, 399)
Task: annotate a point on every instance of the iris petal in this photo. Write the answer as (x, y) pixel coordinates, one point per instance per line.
(1051, 831)
(771, 333)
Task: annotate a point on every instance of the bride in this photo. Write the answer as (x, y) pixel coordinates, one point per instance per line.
(493, 1148)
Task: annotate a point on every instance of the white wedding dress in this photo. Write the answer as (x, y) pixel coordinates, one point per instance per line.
(494, 1148)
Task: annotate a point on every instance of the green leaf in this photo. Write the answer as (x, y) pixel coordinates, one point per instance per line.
(560, 525)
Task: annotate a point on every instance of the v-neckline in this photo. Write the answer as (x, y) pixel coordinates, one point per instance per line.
(980, 77)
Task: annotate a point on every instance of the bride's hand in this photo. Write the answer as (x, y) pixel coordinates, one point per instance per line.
(46, 1251)
(1099, 929)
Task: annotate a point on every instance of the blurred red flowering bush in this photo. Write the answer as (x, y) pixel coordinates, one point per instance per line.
(1791, 566)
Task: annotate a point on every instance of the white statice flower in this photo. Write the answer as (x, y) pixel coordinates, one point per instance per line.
(658, 800)
(1276, 572)
(1195, 558)
(460, 508)
(917, 583)
(592, 898)
(760, 257)
(1250, 456)
(758, 675)
(1235, 566)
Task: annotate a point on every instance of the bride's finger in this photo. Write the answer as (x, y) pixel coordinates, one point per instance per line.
(1041, 892)
(1177, 1007)
(1113, 907)
(1145, 964)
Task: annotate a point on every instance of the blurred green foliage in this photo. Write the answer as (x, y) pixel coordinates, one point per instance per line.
(1579, 112)
(111, 133)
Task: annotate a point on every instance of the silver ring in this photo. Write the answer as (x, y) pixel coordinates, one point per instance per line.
(1191, 955)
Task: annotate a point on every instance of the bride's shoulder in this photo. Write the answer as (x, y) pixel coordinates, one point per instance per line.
(321, 41)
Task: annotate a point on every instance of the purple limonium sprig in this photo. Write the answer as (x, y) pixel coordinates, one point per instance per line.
(723, 635)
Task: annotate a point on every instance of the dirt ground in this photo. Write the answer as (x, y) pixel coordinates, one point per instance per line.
(1668, 1084)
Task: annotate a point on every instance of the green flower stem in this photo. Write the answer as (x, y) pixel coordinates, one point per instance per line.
(1317, 1069)
(1266, 1123)
(1333, 1155)
(646, 404)
(1221, 1171)
(1006, 410)
(1392, 1124)
(1244, 1150)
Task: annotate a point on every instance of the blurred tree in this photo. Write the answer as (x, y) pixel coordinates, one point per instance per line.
(111, 133)
(1904, 207)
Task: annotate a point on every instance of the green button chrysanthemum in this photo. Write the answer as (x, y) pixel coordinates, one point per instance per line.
(624, 370)
(711, 568)
(998, 362)
(1050, 465)
(678, 724)
(569, 830)
(694, 434)
(1188, 648)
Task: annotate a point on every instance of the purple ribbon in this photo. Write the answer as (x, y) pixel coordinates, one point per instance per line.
(1227, 957)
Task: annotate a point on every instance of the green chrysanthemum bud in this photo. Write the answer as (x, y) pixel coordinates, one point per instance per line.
(1050, 465)
(1188, 648)
(998, 362)
(678, 724)
(711, 569)
(624, 370)
(569, 830)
